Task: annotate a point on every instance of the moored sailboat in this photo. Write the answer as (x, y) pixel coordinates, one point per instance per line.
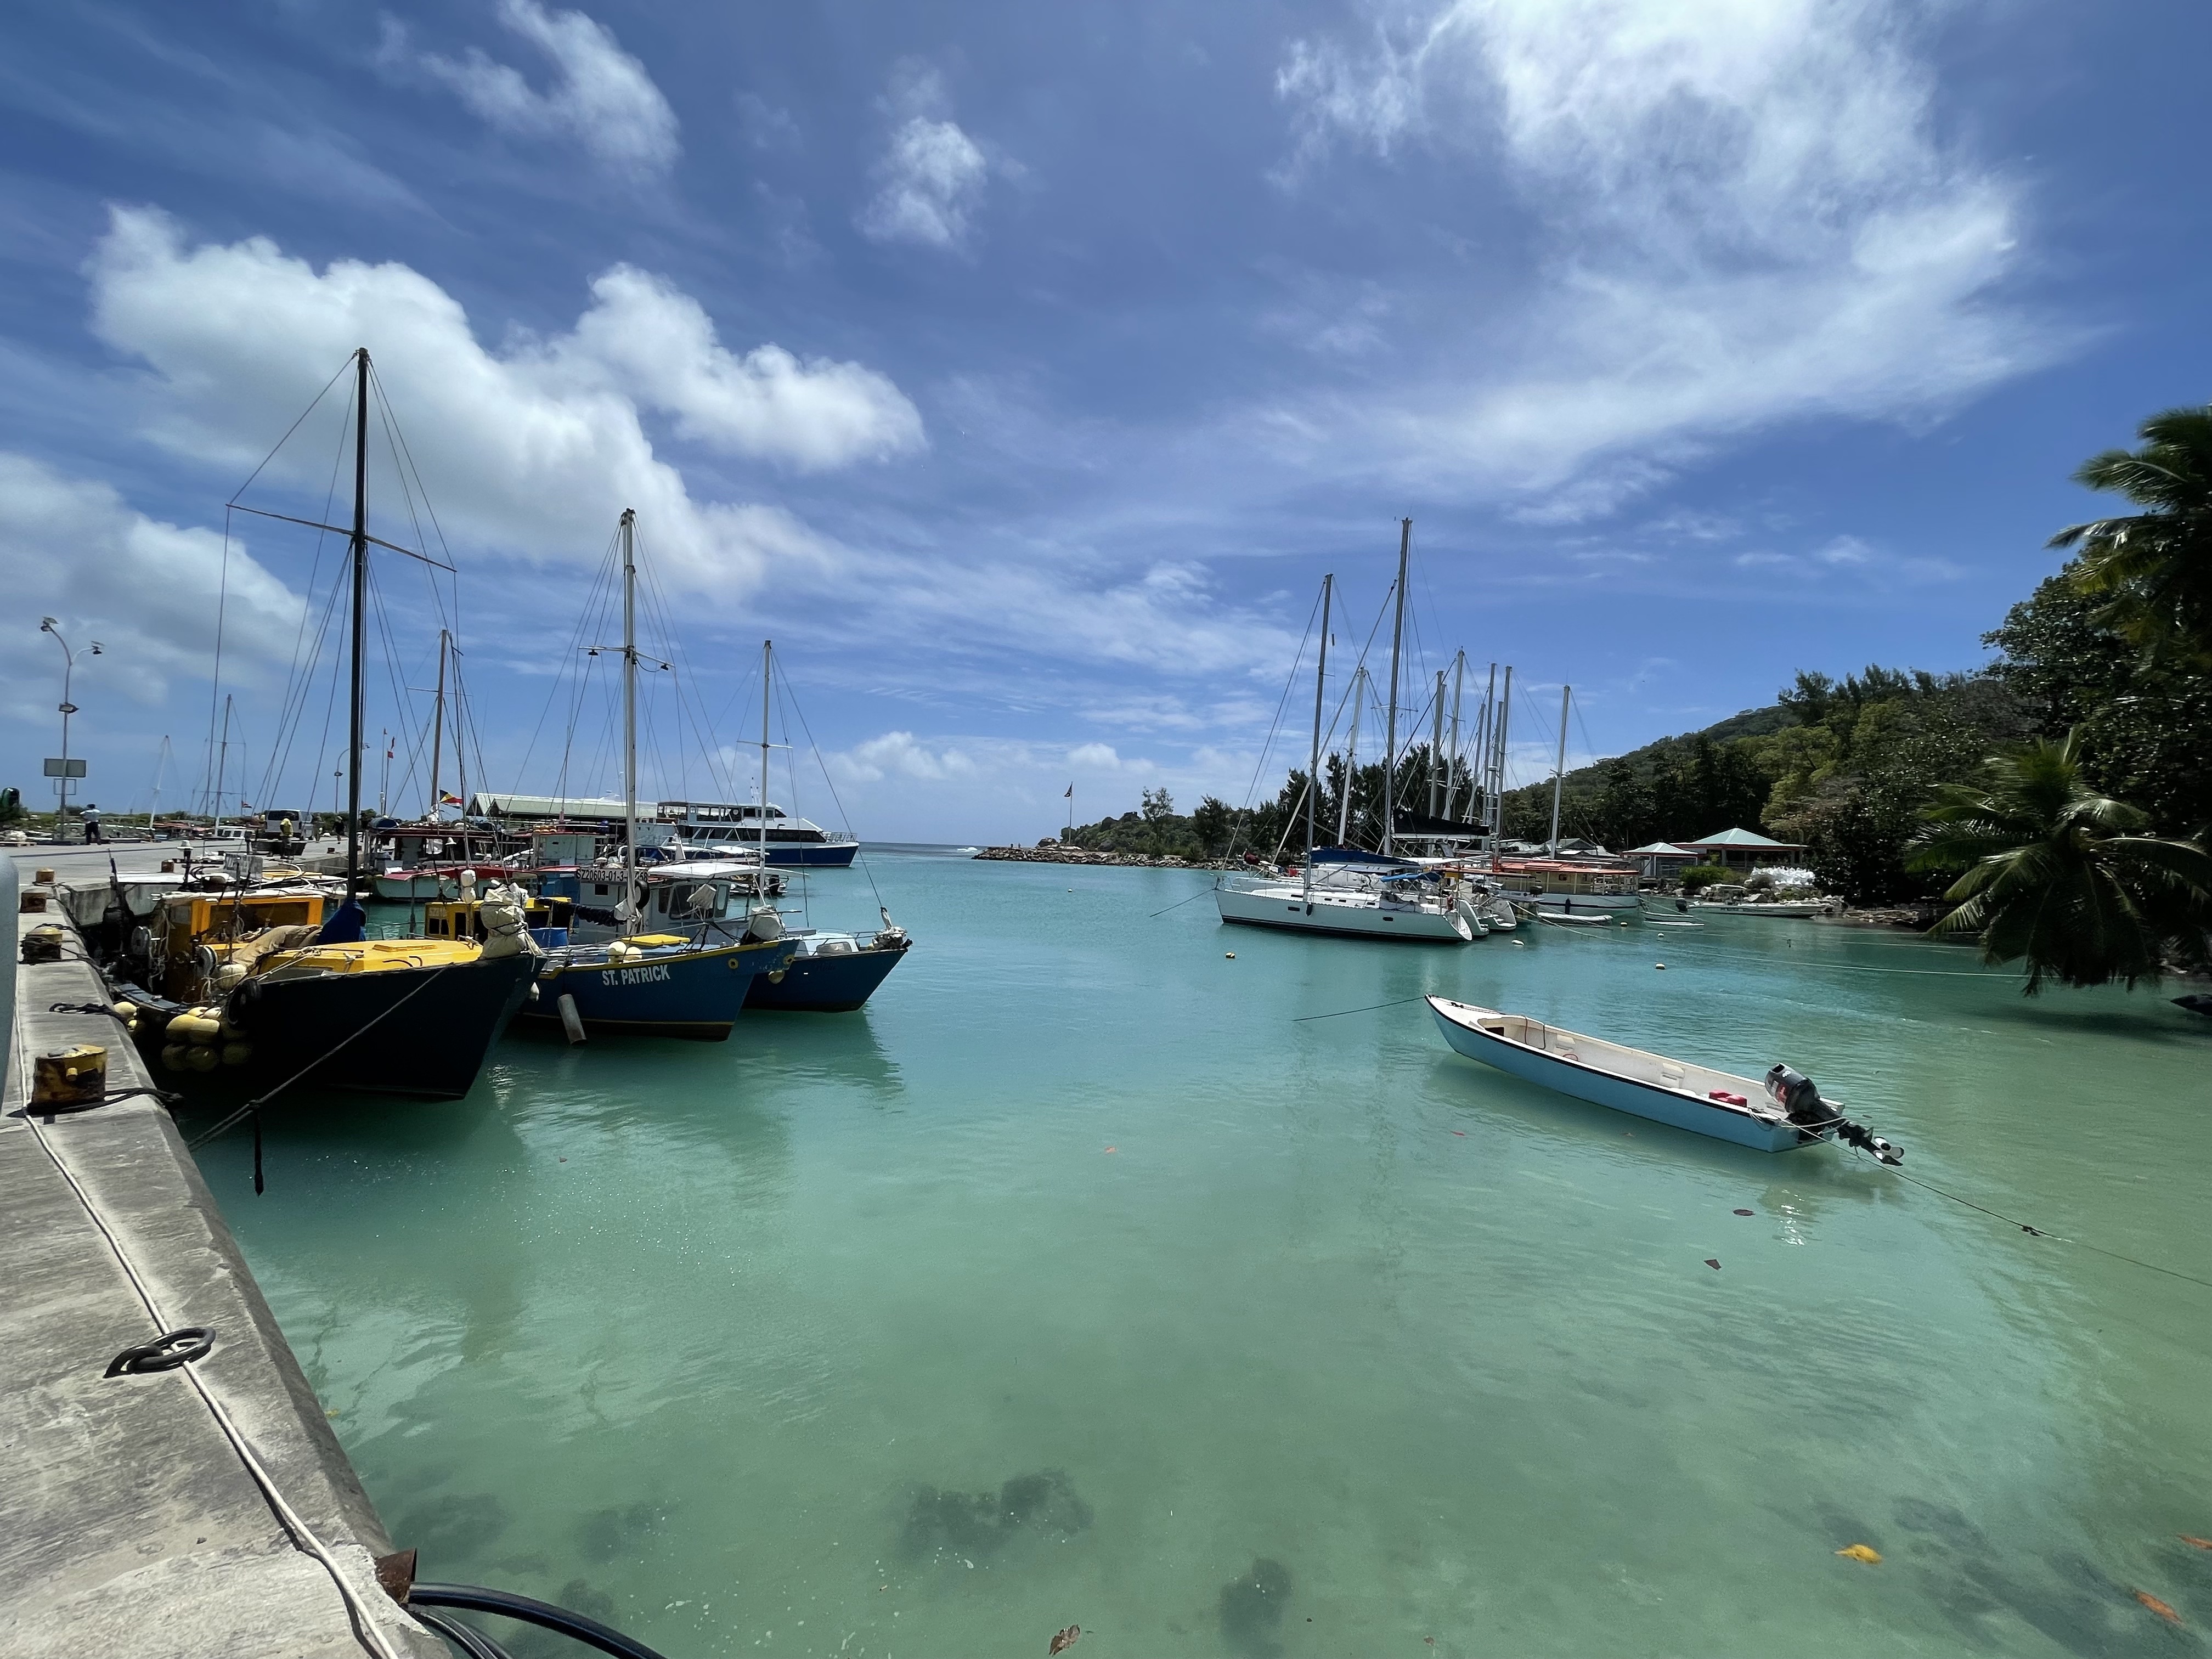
(666, 983)
(321, 1002)
(1361, 896)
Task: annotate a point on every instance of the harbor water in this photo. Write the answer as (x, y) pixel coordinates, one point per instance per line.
(1081, 1280)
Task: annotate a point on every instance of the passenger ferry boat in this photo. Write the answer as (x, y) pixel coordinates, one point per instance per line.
(717, 829)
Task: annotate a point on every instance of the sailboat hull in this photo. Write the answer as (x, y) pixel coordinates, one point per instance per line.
(1355, 916)
(422, 1031)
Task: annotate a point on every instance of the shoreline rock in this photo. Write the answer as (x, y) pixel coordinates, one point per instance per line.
(1079, 855)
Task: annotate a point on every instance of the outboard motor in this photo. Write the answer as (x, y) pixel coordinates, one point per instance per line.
(1795, 1093)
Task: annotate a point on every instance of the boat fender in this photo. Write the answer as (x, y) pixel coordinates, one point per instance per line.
(194, 1027)
(201, 1058)
(572, 1023)
(1725, 1097)
(173, 1056)
(237, 1054)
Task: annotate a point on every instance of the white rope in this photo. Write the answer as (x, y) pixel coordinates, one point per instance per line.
(356, 1611)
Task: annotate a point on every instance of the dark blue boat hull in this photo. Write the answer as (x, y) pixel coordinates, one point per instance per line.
(812, 855)
(824, 985)
(691, 993)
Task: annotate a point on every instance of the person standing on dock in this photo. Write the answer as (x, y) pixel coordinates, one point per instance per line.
(92, 825)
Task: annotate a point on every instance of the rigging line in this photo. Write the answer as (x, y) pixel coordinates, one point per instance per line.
(1369, 1009)
(1289, 680)
(584, 625)
(307, 604)
(292, 716)
(392, 415)
(214, 686)
(843, 817)
(295, 427)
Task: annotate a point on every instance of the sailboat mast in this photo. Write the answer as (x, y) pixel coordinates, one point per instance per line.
(1559, 771)
(1312, 766)
(355, 697)
(629, 721)
(222, 758)
(768, 648)
(1351, 758)
(1390, 739)
(1497, 768)
(437, 735)
(1478, 780)
(1437, 747)
(1452, 766)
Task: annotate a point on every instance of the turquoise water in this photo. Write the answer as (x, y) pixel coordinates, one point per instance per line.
(1298, 1337)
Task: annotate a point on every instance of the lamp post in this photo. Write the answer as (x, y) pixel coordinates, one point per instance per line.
(47, 625)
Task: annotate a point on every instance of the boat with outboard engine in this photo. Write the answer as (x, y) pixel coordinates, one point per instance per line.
(1779, 1114)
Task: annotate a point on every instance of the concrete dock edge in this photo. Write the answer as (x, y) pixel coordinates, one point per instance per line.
(132, 1526)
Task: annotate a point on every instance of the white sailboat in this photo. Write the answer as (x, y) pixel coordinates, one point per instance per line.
(1365, 904)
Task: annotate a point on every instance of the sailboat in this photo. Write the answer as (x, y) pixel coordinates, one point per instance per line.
(1385, 905)
(322, 1003)
(665, 983)
(828, 973)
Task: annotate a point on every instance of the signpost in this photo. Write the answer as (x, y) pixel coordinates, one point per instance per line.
(63, 768)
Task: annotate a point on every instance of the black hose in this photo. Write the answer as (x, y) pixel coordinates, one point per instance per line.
(575, 1625)
(468, 1639)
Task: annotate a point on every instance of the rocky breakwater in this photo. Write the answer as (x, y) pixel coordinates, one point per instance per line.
(1051, 851)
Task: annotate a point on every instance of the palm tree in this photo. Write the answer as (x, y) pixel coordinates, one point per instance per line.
(2054, 873)
(2155, 567)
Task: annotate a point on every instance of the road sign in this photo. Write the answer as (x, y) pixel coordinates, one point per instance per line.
(64, 769)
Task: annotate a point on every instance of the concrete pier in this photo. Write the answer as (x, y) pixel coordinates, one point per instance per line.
(132, 1523)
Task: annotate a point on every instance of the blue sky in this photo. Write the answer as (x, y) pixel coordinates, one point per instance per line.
(1022, 368)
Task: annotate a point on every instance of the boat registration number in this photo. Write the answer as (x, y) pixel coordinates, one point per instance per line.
(651, 973)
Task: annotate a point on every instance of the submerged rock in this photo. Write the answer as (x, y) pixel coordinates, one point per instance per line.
(1252, 1610)
(977, 1525)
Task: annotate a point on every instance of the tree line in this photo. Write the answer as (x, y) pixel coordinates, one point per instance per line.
(2058, 800)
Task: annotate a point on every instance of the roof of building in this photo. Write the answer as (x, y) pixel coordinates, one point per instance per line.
(545, 807)
(1740, 838)
(1662, 849)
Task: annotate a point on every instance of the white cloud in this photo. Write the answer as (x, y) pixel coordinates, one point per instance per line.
(531, 453)
(647, 336)
(72, 549)
(1860, 563)
(931, 177)
(897, 753)
(1100, 756)
(601, 97)
(1748, 215)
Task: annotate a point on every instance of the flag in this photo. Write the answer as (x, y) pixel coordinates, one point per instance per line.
(1071, 792)
(446, 798)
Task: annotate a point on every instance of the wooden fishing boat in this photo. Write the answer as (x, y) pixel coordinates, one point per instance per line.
(1779, 1114)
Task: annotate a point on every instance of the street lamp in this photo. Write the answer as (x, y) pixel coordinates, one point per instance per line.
(47, 625)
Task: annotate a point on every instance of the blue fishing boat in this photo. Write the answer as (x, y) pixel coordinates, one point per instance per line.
(1779, 1114)
(654, 984)
(664, 983)
(829, 973)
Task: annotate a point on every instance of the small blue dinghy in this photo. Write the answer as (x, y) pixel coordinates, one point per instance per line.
(1779, 1115)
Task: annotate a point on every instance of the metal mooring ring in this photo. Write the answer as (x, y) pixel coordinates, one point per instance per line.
(164, 1352)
